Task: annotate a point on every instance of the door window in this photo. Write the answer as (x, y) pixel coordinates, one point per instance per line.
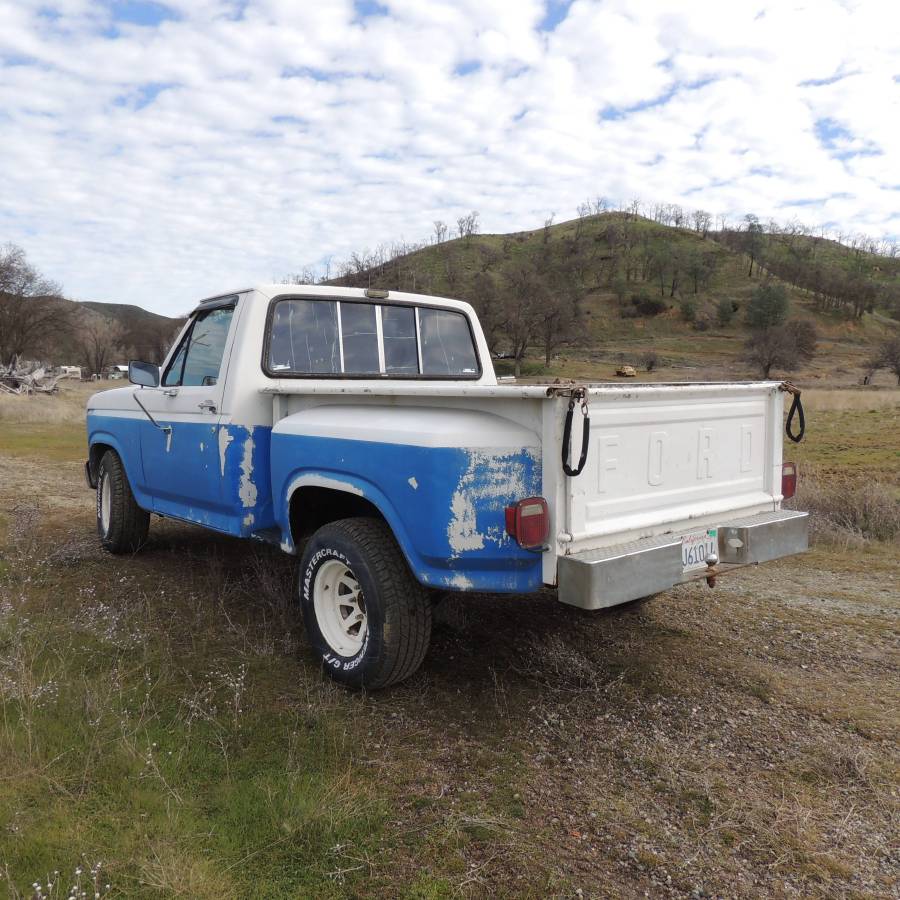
(199, 358)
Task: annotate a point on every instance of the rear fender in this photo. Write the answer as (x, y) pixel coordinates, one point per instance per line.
(360, 487)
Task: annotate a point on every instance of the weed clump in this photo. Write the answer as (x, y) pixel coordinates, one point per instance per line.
(850, 511)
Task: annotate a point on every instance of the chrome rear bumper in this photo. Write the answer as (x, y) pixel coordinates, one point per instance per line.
(599, 578)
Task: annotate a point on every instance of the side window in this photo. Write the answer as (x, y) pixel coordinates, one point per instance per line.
(305, 338)
(173, 373)
(446, 343)
(199, 357)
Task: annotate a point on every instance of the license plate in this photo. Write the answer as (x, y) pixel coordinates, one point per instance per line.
(696, 547)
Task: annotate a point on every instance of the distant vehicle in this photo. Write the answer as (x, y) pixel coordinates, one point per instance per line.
(366, 432)
(70, 371)
(626, 371)
(114, 373)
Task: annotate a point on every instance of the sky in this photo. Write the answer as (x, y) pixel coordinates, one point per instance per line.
(159, 152)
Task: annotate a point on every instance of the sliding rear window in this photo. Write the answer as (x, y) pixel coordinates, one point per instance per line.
(356, 339)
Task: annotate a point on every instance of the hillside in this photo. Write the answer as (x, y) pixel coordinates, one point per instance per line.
(141, 334)
(617, 288)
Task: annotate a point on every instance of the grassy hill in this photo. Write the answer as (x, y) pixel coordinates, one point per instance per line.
(640, 288)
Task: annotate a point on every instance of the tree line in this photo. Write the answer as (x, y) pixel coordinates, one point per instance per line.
(37, 322)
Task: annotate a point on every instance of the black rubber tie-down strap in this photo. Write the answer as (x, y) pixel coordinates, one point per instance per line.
(796, 408)
(567, 440)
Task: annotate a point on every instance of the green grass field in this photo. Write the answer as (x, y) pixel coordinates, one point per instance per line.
(159, 717)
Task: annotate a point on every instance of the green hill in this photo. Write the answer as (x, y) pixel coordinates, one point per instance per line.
(598, 290)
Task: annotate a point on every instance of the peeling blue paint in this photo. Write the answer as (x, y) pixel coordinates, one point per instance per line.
(448, 517)
(452, 527)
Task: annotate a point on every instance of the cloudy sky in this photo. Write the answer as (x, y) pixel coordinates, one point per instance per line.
(157, 152)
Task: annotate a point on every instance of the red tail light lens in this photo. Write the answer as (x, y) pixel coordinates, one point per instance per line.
(529, 522)
(788, 480)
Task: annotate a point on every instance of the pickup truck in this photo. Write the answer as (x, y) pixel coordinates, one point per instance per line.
(366, 432)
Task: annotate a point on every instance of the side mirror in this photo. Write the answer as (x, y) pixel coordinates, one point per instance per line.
(143, 373)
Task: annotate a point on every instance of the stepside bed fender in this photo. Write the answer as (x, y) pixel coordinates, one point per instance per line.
(356, 486)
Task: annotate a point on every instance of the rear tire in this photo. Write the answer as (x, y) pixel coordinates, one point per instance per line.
(367, 618)
(121, 523)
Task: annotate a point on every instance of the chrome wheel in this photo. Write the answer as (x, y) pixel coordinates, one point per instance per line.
(105, 502)
(340, 608)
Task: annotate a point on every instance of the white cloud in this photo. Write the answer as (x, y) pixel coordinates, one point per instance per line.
(226, 143)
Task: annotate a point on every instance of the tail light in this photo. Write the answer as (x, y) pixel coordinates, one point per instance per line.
(788, 480)
(528, 521)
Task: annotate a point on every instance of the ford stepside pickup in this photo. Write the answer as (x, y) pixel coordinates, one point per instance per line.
(366, 432)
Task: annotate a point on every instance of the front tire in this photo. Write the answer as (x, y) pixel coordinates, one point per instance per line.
(367, 618)
(121, 523)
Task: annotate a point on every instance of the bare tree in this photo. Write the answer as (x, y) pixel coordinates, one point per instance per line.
(32, 311)
(440, 231)
(888, 357)
(99, 339)
(781, 346)
(468, 225)
(702, 221)
(523, 299)
(548, 224)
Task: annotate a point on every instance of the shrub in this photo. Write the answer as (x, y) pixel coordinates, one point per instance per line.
(649, 306)
(725, 310)
(688, 309)
(849, 511)
(651, 360)
(768, 307)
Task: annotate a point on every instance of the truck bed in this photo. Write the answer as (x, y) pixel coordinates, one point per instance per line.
(663, 459)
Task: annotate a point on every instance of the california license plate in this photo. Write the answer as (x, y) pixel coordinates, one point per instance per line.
(697, 547)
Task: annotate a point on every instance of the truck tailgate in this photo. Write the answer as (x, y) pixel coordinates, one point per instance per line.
(663, 458)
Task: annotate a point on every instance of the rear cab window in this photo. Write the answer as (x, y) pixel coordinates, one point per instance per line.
(350, 338)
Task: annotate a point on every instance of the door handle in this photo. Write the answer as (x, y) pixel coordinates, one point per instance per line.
(170, 392)
(207, 406)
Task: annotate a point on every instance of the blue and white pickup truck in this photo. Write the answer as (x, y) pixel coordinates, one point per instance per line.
(366, 432)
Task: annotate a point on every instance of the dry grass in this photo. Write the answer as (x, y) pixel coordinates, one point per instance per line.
(66, 407)
(862, 399)
(159, 713)
(850, 511)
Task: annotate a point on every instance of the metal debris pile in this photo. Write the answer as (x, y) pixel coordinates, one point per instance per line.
(28, 378)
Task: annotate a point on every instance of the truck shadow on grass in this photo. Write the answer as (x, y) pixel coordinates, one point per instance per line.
(531, 640)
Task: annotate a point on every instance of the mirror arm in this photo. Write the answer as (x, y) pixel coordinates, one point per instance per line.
(165, 429)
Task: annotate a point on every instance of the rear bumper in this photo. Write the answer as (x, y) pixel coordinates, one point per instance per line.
(599, 578)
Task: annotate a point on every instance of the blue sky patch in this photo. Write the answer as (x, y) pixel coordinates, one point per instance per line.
(467, 67)
(830, 131)
(839, 140)
(140, 12)
(557, 10)
(364, 9)
(143, 95)
(612, 113)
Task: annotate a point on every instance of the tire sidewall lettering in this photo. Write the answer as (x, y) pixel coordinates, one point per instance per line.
(330, 658)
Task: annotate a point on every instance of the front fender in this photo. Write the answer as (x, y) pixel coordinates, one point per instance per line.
(127, 444)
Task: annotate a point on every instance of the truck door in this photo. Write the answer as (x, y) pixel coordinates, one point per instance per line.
(182, 469)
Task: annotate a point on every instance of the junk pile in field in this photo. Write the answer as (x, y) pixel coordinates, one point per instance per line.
(28, 378)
